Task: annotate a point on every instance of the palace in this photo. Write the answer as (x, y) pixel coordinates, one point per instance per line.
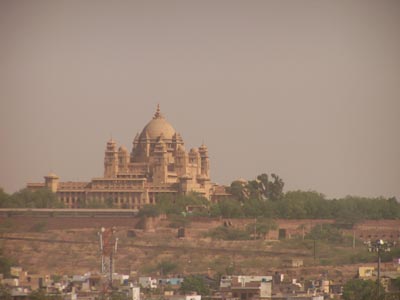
(158, 163)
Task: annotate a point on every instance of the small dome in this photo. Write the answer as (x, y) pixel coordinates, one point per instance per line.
(51, 175)
(203, 147)
(122, 149)
(242, 180)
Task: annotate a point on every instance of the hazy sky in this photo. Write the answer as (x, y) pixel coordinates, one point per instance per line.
(309, 90)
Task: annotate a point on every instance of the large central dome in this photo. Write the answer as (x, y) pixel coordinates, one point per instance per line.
(156, 127)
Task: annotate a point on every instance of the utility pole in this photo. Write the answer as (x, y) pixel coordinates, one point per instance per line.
(255, 228)
(315, 250)
(379, 246)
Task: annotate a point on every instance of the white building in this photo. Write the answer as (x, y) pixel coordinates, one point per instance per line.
(186, 297)
(148, 282)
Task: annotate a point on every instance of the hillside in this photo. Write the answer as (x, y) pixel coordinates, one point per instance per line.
(70, 246)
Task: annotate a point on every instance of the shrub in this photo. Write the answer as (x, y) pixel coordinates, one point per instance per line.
(167, 267)
(228, 234)
(179, 221)
(195, 284)
(149, 210)
(327, 232)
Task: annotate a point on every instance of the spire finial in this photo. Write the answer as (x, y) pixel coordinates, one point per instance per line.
(158, 114)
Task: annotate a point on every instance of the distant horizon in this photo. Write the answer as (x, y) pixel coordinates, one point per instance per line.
(308, 90)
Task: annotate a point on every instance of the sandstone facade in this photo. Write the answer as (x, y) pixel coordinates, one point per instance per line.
(158, 163)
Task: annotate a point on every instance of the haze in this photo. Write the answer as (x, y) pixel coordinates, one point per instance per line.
(309, 90)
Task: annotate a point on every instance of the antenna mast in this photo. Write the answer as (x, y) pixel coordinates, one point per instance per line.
(108, 248)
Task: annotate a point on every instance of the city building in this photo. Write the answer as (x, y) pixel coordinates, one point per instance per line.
(251, 287)
(157, 164)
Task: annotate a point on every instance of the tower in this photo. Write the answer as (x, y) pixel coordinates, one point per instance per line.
(177, 141)
(181, 159)
(160, 169)
(194, 162)
(123, 159)
(108, 248)
(111, 159)
(204, 161)
(51, 182)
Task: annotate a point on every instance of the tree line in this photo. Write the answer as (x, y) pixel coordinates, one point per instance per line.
(262, 197)
(44, 198)
(41, 198)
(310, 205)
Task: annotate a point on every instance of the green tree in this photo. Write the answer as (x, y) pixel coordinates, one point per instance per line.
(325, 232)
(176, 205)
(359, 289)
(166, 267)
(254, 208)
(42, 198)
(5, 264)
(263, 185)
(179, 221)
(5, 293)
(195, 284)
(253, 190)
(275, 188)
(352, 210)
(396, 283)
(291, 209)
(260, 188)
(227, 208)
(4, 198)
(261, 227)
(149, 210)
(313, 202)
(228, 234)
(237, 189)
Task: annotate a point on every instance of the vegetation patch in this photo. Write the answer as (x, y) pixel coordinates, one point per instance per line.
(42, 198)
(195, 283)
(177, 221)
(263, 197)
(5, 264)
(228, 234)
